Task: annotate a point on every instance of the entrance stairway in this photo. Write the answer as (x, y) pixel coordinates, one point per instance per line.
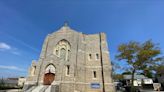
(48, 89)
(44, 88)
(30, 89)
(40, 88)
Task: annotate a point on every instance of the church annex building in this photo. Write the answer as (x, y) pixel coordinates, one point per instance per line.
(71, 61)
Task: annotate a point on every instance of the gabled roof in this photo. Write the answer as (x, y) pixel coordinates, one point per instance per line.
(64, 29)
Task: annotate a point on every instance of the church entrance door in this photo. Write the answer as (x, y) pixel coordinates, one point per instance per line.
(49, 78)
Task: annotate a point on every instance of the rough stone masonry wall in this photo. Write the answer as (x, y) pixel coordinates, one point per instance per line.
(93, 64)
(107, 68)
(81, 66)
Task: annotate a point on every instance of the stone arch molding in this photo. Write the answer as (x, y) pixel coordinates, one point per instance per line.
(50, 69)
(62, 49)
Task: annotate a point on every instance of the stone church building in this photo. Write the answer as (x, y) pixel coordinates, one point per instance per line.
(71, 61)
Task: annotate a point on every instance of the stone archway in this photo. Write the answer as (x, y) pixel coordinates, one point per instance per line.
(49, 75)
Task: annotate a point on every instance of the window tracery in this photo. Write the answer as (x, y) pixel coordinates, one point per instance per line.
(62, 49)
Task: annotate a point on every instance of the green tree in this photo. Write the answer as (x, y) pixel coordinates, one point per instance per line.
(117, 77)
(159, 69)
(2, 83)
(139, 56)
(148, 73)
(116, 67)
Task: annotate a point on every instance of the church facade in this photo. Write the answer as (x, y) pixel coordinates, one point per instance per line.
(71, 61)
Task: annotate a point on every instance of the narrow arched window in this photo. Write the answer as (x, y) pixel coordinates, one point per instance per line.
(57, 52)
(94, 74)
(69, 54)
(67, 70)
(90, 56)
(97, 56)
(34, 70)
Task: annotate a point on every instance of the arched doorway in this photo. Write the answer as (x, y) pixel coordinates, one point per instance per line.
(49, 78)
(49, 75)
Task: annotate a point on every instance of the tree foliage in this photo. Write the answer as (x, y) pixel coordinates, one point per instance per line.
(2, 83)
(159, 68)
(139, 56)
(116, 67)
(117, 77)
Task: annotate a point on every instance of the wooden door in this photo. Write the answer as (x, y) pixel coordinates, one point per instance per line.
(49, 78)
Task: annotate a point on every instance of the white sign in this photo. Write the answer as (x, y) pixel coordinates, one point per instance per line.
(137, 82)
(148, 81)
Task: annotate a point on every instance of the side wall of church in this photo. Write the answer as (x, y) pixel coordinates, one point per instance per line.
(95, 60)
(93, 63)
(107, 67)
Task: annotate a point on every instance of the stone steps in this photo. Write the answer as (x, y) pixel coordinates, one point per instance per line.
(48, 89)
(42, 88)
(38, 88)
(30, 90)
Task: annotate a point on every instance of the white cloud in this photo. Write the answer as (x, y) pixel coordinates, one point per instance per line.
(11, 68)
(4, 46)
(16, 53)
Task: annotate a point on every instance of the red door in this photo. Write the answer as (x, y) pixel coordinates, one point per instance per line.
(49, 78)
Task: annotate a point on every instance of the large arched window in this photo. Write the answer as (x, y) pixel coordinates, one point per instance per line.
(63, 53)
(62, 49)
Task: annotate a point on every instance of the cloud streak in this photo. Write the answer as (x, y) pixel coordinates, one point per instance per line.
(21, 42)
(11, 68)
(4, 46)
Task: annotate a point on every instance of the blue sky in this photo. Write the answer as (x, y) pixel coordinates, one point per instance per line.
(25, 24)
